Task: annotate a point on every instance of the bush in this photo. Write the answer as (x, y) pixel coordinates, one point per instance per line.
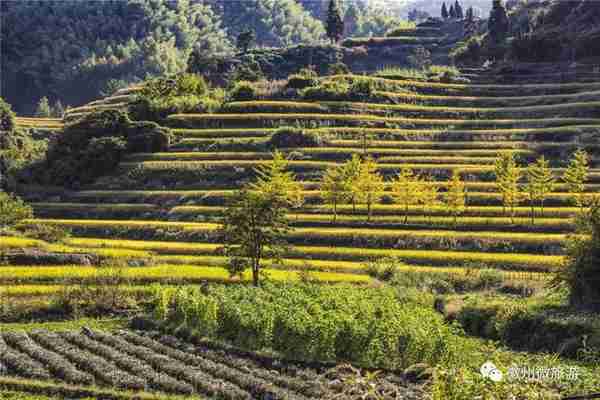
(7, 120)
(180, 85)
(469, 52)
(243, 91)
(286, 137)
(13, 210)
(329, 90)
(383, 269)
(47, 233)
(305, 78)
(420, 58)
(361, 88)
(338, 68)
(581, 272)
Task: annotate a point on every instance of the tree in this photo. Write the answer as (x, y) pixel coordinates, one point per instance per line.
(456, 196)
(498, 23)
(576, 175)
(540, 182)
(452, 12)
(351, 171)
(428, 194)
(274, 181)
(366, 138)
(445, 14)
(420, 58)
(13, 210)
(470, 17)
(580, 273)
(334, 23)
(245, 40)
(458, 10)
(507, 179)
(350, 20)
(43, 108)
(369, 184)
(58, 110)
(254, 228)
(406, 190)
(334, 188)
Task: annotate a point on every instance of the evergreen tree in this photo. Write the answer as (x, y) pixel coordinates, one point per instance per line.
(576, 175)
(369, 185)
(445, 14)
(406, 190)
(458, 10)
(540, 182)
(333, 188)
(335, 24)
(498, 23)
(350, 20)
(470, 17)
(455, 196)
(43, 108)
(452, 12)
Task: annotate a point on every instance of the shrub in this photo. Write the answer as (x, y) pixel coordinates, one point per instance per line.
(7, 120)
(243, 90)
(179, 85)
(581, 272)
(469, 52)
(286, 137)
(330, 90)
(361, 88)
(13, 210)
(338, 68)
(490, 277)
(420, 58)
(305, 78)
(383, 269)
(47, 233)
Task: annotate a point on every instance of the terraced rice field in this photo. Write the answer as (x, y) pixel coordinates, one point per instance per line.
(167, 206)
(95, 363)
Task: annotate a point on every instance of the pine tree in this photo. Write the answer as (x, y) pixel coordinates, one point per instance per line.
(507, 179)
(455, 196)
(406, 190)
(351, 170)
(576, 175)
(498, 23)
(470, 17)
(458, 10)
(369, 185)
(43, 108)
(445, 14)
(452, 12)
(335, 24)
(540, 182)
(333, 188)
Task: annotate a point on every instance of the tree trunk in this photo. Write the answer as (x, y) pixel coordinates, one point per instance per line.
(334, 210)
(368, 211)
(255, 269)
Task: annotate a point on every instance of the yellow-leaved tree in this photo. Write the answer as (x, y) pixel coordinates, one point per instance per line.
(507, 180)
(540, 182)
(428, 195)
(406, 190)
(351, 171)
(369, 185)
(334, 188)
(456, 197)
(576, 175)
(275, 181)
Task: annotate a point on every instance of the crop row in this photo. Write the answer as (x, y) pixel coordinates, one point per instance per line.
(489, 90)
(480, 101)
(266, 120)
(73, 274)
(440, 134)
(577, 109)
(361, 237)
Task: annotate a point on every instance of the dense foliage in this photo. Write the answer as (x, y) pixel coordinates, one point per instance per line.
(74, 51)
(94, 145)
